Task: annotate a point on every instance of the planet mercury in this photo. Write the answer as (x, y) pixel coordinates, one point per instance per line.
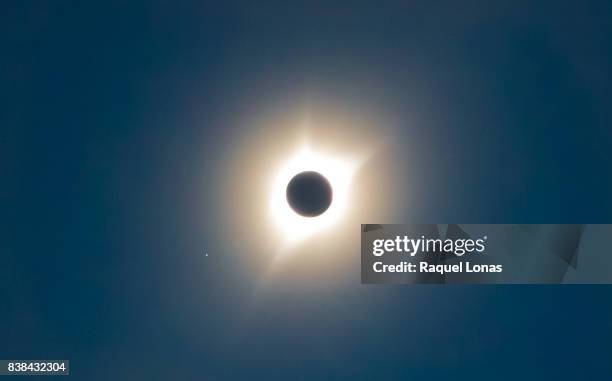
(309, 194)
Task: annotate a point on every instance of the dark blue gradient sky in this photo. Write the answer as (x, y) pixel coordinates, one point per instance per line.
(113, 120)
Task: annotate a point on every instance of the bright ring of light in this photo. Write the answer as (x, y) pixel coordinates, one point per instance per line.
(339, 173)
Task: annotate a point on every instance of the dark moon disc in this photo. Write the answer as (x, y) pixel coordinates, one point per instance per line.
(309, 194)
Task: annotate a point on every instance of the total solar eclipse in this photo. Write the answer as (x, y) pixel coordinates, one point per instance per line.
(309, 194)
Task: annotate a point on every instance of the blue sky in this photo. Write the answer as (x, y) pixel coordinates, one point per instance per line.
(112, 114)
